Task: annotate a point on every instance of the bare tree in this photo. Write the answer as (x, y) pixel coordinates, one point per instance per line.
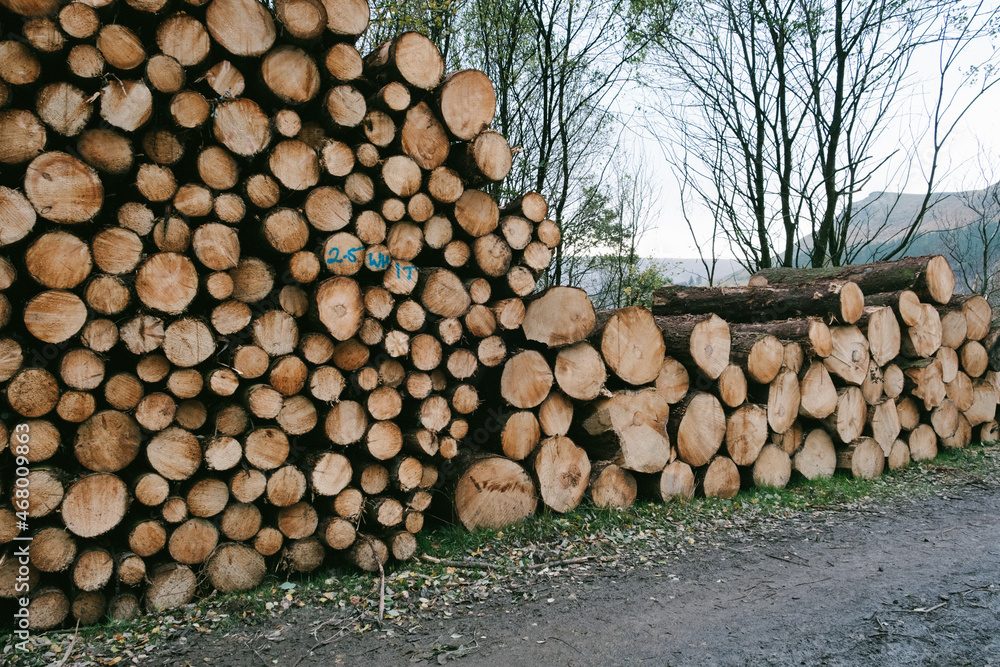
(623, 277)
(972, 240)
(778, 108)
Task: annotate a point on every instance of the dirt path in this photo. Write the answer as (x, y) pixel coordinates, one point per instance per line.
(916, 582)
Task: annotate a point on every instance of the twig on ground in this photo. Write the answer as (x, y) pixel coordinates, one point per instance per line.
(786, 559)
(254, 648)
(381, 590)
(69, 649)
(323, 642)
(920, 610)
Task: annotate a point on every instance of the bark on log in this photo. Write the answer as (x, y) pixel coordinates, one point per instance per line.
(929, 277)
(703, 341)
(842, 299)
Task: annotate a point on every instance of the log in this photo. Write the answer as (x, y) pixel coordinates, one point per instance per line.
(731, 386)
(564, 316)
(790, 440)
(526, 379)
(563, 472)
(52, 549)
(962, 436)
(467, 103)
(908, 413)
(94, 505)
(17, 216)
(882, 330)
(635, 422)
(978, 314)
(873, 386)
(64, 107)
(107, 442)
(847, 422)
(930, 277)
(170, 585)
(899, 456)
(818, 394)
(611, 487)
(954, 328)
(63, 189)
(192, 541)
(746, 433)
(923, 338)
(863, 457)
(48, 608)
(818, 457)
(128, 105)
(368, 553)
(580, 372)
(697, 426)
(235, 567)
(850, 356)
(721, 479)
(984, 403)
(92, 569)
(555, 414)
(974, 358)
(520, 435)
(632, 344)
(494, 492)
(410, 58)
(773, 468)
(486, 159)
(703, 341)
(783, 401)
(883, 421)
(676, 482)
(926, 383)
(673, 382)
(841, 299)
(761, 356)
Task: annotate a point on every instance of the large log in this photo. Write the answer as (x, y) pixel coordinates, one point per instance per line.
(699, 340)
(812, 334)
(636, 422)
(698, 427)
(494, 492)
(929, 277)
(632, 344)
(842, 299)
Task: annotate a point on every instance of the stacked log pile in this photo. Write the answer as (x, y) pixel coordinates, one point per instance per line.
(861, 369)
(256, 302)
(253, 293)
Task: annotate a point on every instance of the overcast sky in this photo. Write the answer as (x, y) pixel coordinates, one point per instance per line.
(977, 131)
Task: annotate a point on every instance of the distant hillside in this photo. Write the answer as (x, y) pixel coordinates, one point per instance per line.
(692, 271)
(884, 217)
